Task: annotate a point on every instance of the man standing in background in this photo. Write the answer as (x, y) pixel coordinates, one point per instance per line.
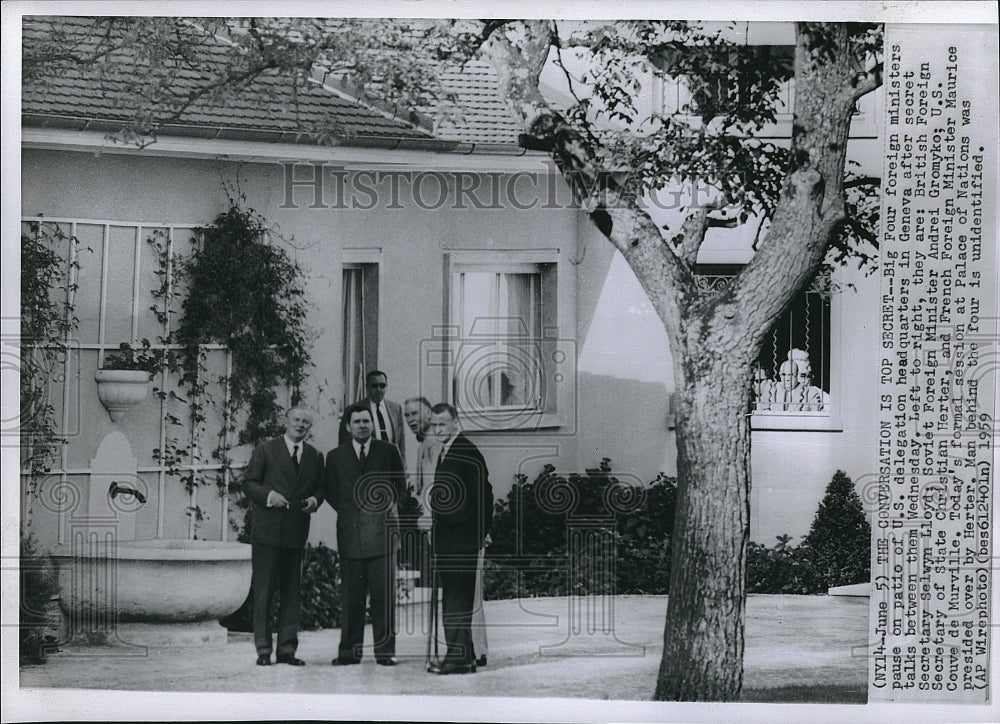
(284, 481)
(387, 416)
(417, 412)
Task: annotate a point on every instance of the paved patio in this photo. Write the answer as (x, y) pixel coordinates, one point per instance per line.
(544, 647)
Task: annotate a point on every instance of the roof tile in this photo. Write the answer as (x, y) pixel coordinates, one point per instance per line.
(272, 102)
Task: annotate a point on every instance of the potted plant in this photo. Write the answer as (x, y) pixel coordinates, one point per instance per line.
(123, 379)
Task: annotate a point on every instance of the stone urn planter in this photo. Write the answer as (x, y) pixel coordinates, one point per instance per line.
(118, 390)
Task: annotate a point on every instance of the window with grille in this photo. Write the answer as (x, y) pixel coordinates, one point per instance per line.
(794, 367)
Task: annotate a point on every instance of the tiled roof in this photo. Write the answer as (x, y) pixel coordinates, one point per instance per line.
(482, 116)
(270, 104)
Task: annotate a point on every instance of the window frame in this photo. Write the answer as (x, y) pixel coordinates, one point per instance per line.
(829, 420)
(544, 262)
(368, 261)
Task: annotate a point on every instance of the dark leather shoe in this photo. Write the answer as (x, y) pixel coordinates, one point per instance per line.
(481, 661)
(385, 662)
(264, 660)
(345, 662)
(290, 660)
(446, 669)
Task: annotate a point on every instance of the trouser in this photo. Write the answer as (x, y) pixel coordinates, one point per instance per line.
(479, 642)
(279, 568)
(457, 574)
(360, 578)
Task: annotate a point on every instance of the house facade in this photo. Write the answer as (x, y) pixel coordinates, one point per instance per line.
(453, 261)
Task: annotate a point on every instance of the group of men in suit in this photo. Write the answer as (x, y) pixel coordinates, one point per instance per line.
(363, 479)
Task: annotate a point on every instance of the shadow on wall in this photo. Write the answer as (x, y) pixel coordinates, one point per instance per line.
(625, 420)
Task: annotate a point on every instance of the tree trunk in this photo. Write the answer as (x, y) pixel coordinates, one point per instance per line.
(703, 640)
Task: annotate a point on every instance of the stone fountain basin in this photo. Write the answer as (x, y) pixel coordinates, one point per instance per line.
(152, 581)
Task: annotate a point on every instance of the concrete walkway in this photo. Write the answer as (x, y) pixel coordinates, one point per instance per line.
(543, 647)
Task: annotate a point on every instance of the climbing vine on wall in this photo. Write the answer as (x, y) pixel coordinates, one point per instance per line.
(48, 282)
(47, 324)
(246, 295)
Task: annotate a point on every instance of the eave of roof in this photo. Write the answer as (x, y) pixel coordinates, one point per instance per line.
(275, 136)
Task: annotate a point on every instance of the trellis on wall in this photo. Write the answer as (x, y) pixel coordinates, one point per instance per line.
(125, 287)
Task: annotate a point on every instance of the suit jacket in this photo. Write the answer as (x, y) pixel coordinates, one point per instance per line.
(463, 506)
(365, 499)
(427, 456)
(271, 468)
(395, 411)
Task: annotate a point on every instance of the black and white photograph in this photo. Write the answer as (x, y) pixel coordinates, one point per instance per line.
(425, 361)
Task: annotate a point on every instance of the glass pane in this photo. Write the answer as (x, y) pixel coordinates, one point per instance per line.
(119, 295)
(478, 304)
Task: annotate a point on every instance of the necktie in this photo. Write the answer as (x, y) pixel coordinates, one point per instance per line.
(295, 457)
(361, 456)
(381, 423)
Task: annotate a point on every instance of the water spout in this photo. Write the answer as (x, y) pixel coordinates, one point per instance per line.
(117, 489)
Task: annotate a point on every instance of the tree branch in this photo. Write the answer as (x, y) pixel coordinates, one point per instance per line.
(692, 235)
(866, 82)
(669, 283)
(856, 181)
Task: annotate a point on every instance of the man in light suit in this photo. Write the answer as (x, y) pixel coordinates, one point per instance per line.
(461, 499)
(364, 482)
(387, 416)
(417, 411)
(284, 481)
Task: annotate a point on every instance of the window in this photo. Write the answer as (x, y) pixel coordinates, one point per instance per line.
(792, 386)
(360, 310)
(499, 319)
(794, 364)
(503, 346)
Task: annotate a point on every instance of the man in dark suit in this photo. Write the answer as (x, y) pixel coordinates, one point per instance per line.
(461, 499)
(365, 480)
(387, 416)
(284, 481)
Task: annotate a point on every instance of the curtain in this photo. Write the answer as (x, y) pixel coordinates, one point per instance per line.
(353, 365)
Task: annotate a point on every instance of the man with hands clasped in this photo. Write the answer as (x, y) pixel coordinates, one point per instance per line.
(284, 480)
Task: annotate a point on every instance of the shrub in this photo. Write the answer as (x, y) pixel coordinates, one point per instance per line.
(321, 606)
(839, 541)
(628, 534)
(779, 569)
(320, 588)
(836, 552)
(37, 589)
(621, 542)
